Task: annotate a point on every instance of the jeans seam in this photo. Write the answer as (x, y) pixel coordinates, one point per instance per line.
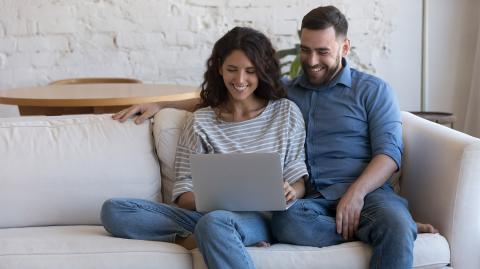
(177, 220)
(241, 245)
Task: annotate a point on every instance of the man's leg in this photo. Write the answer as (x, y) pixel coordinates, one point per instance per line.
(147, 220)
(386, 225)
(222, 236)
(309, 222)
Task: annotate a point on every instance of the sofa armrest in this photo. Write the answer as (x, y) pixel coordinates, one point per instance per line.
(441, 181)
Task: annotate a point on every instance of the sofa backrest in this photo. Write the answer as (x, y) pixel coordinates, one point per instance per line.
(59, 170)
(167, 126)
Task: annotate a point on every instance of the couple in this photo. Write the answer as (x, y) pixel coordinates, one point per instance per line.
(347, 122)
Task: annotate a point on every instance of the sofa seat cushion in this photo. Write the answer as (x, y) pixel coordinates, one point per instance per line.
(60, 247)
(430, 251)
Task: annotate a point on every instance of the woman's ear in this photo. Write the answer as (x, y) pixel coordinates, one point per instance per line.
(220, 64)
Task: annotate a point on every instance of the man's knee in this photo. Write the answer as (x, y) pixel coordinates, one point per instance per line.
(287, 219)
(398, 228)
(393, 226)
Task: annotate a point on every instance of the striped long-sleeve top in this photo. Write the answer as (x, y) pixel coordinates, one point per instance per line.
(279, 128)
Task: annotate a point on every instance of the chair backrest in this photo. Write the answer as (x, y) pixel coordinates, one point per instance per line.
(94, 80)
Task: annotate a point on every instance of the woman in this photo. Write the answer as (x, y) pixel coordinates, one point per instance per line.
(243, 110)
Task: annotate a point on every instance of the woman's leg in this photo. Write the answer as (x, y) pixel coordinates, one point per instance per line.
(222, 236)
(147, 220)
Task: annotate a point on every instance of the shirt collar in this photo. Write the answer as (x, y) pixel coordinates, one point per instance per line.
(344, 77)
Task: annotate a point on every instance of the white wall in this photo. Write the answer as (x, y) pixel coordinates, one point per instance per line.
(168, 41)
(452, 34)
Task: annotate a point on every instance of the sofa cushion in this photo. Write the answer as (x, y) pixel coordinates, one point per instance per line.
(167, 126)
(430, 251)
(61, 247)
(59, 170)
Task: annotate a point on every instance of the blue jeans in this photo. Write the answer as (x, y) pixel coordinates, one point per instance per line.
(221, 235)
(385, 224)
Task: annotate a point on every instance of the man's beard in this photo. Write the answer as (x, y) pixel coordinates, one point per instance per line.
(332, 72)
(329, 75)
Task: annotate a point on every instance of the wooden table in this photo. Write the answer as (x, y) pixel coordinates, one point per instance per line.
(444, 118)
(91, 98)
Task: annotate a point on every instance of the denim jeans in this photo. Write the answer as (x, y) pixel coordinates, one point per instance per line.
(385, 224)
(221, 235)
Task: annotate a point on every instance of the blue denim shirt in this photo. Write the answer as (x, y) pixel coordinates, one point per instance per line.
(348, 122)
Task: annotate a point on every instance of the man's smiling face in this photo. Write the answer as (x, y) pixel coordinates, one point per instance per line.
(321, 53)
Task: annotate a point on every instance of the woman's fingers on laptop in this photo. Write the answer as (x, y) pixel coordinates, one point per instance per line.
(290, 193)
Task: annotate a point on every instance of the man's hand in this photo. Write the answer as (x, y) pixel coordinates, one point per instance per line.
(380, 168)
(146, 111)
(348, 213)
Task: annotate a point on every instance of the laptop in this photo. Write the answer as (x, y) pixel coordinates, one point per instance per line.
(238, 182)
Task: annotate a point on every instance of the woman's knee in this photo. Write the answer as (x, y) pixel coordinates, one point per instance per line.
(110, 210)
(113, 212)
(212, 223)
(214, 218)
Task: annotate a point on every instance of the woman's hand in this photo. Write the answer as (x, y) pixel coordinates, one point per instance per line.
(294, 191)
(290, 192)
(186, 200)
(146, 111)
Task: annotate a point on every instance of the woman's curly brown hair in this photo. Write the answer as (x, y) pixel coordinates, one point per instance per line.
(259, 51)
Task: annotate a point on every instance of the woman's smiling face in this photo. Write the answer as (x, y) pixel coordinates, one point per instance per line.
(239, 75)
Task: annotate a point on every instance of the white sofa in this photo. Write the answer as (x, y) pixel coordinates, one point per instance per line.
(55, 172)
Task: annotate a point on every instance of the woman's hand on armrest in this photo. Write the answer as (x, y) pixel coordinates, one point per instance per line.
(186, 201)
(146, 111)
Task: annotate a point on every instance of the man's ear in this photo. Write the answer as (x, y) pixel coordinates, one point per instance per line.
(345, 47)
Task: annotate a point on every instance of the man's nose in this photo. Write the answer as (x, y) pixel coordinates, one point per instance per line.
(312, 59)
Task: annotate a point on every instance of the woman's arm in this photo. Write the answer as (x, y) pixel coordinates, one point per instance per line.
(186, 201)
(141, 112)
(188, 143)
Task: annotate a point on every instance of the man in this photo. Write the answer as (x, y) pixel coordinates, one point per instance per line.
(353, 146)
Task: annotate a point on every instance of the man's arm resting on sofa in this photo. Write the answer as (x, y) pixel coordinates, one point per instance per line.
(146, 111)
(380, 168)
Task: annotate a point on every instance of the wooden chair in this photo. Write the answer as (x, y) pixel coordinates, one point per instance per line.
(94, 80)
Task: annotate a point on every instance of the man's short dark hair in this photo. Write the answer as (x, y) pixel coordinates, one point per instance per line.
(322, 18)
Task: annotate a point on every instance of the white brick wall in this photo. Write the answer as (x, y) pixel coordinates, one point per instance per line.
(158, 41)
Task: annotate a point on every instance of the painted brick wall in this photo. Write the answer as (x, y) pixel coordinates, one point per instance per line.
(158, 41)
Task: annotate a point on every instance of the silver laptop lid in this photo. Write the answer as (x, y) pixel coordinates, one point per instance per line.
(238, 182)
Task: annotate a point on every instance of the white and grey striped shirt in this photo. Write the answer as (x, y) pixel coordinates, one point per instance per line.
(279, 128)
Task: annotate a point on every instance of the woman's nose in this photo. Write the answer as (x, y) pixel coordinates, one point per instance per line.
(240, 78)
